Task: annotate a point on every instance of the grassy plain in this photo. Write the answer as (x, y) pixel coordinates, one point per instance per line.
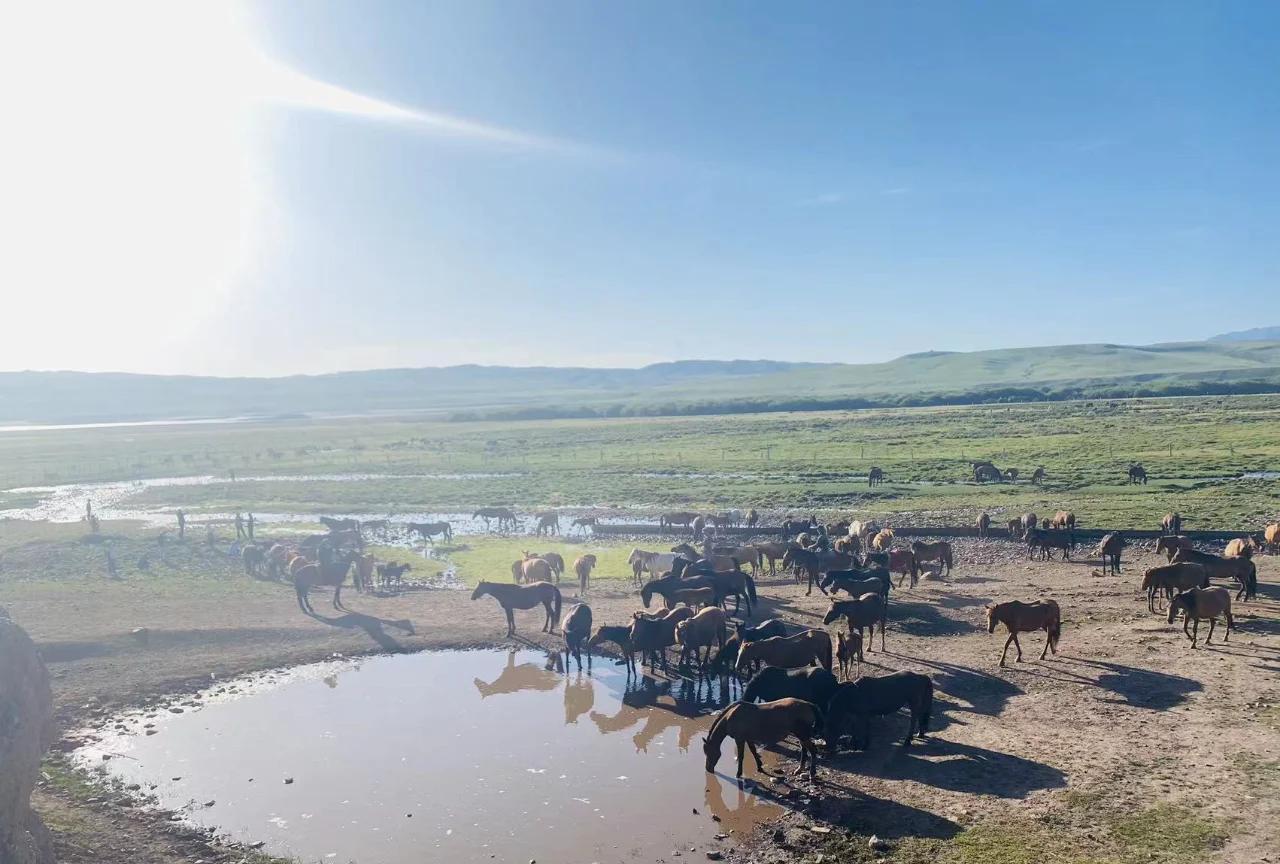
(1195, 450)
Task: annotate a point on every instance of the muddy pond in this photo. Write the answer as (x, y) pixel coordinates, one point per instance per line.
(446, 756)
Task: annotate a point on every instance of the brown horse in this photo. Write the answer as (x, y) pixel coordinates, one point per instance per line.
(254, 559)
(1171, 523)
(548, 523)
(505, 516)
(1199, 603)
(576, 628)
(903, 562)
(875, 476)
(585, 522)
(1015, 526)
(812, 565)
(862, 613)
(704, 630)
(512, 597)
(309, 576)
(939, 551)
(1242, 570)
(531, 570)
(620, 636)
(1109, 548)
(984, 524)
(1170, 544)
(683, 519)
(883, 539)
(774, 552)
(1271, 535)
(1172, 578)
(848, 650)
(1038, 476)
(789, 652)
(651, 635)
(1241, 547)
(766, 724)
(582, 567)
(428, 530)
(753, 517)
(1019, 617)
(1137, 474)
(1063, 519)
(1029, 521)
(554, 559)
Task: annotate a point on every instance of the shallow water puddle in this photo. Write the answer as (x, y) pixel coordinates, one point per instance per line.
(457, 756)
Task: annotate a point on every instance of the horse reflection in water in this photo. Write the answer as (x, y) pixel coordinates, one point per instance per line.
(753, 804)
(523, 676)
(686, 705)
(579, 697)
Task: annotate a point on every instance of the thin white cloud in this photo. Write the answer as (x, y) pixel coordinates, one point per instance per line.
(827, 199)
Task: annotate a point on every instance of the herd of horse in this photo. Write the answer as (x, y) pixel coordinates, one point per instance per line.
(792, 684)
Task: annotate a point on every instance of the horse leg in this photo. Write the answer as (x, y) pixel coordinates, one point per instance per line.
(511, 620)
(756, 754)
(1006, 648)
(873, 634)
(1018, 645)
(1213, 622)
(301, 591)
(1047, 642)
(337, 595)
(1195, 633)
(742, 746)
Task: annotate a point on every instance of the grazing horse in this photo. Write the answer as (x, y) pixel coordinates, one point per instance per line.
(792, 527)
(428, 530)
(309, 576)
(984, 524)
(805, 647)
(984, 471)
(554, 560)
(704, 630)
(334, 524)
(548, 523)
(505, 516)
(652, 635)
(1011, 474)
(391, 574)
(813, 564)
(670, 520)
(1242, 570)
(854, 704)
(1137, 474)
(582, 567)
(585, 522)
(254, 558)
(1198, 603)
(1170, 544)
(531, 570)
(1171, 523)
(1169, 579)
(875, 476)
(1044, 539)
(753, 517)
(1241, 547)
(857, 581)
(620, 636)
(512, 597)
(1271, 536)
(939, 551)
(772, 551)
(576, 628)
(653, 563)
(862, 613)
(1063, 519)
(1109, 548)
(848, 649)
(1019, 617)
(810, 683)
(1015, 526)
(883, 540)
(749, 724)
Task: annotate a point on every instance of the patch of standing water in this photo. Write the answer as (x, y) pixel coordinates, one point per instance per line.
(445, 756)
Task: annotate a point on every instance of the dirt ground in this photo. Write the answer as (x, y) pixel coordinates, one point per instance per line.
(1124, 719)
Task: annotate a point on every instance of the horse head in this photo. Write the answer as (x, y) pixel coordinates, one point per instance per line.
(482, 588)
(991, 618)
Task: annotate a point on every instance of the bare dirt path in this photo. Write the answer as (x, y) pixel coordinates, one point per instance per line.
(1124, 718)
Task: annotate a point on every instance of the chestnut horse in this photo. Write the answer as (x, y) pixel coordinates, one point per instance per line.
(1019, 617)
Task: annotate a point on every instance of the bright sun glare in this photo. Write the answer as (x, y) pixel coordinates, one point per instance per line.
(132, 193)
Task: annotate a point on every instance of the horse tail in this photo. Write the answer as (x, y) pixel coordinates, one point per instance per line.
(1251, 582)
(555, 611)
(751, 589)
(1055, 627)
(926, 708)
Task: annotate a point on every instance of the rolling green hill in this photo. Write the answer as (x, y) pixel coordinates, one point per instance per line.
(1014, 374)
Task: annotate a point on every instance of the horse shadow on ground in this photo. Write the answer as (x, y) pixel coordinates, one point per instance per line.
(949, 765)
(968, 691)
(1253, 625)
(373, 626)
(948, 600)
(924, 619)
(1137, 688)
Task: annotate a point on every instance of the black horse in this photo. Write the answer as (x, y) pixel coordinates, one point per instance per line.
(854, 704)
(810, 683)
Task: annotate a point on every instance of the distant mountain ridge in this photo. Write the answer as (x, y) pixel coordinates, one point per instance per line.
(681, 387)
(1256, 334)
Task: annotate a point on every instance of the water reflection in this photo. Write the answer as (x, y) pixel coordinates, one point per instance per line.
(563, 788)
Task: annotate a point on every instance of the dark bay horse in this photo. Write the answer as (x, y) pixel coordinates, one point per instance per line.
(749, 724)
(511, 597)
(428, 530)
(854, 704)
(312, 575)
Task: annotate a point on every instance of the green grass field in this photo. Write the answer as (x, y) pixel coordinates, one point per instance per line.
(1194, 449)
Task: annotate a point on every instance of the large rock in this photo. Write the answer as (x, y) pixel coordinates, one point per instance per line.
(26, 710)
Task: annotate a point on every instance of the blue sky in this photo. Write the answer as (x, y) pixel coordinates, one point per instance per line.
(615, 184)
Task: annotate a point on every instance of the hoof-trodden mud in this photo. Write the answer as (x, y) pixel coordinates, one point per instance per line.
(454, 755)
